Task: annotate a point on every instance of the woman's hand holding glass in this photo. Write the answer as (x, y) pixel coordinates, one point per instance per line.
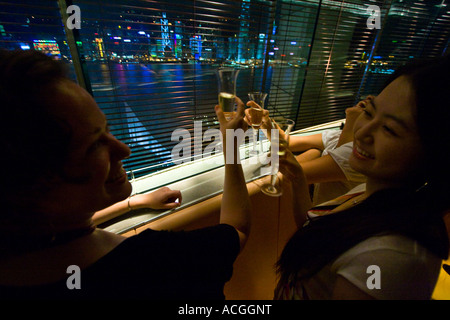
(290, 167)
(256, 113)
(279, 143)
(249, 112)
(237, 122)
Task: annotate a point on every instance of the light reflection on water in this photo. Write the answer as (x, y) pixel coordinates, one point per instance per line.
(145, 103)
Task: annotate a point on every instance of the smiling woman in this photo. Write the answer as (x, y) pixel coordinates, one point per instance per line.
(389, 123)
(394, 222)
(63, 165)
(93, 174)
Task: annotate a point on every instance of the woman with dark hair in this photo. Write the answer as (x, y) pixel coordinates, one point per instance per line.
(60, 165)
(387, 239)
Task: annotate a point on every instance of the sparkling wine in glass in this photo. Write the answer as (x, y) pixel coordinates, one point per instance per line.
(227, 78)
(256, 116)
(227, 102)
(278, 142)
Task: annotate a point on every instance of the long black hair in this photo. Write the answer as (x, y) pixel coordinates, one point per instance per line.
(411, 211)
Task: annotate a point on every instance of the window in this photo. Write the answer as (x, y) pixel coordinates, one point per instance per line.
(151, 64)
(411, 29)
(348, 60)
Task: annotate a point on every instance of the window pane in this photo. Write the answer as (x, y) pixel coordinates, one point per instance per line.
(151, 65)
(341, 42)
(289, 49)
(413, 29)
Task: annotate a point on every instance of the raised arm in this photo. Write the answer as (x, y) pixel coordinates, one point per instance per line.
(307, 142)
(235, 208)
(296, 143)
(293, 172)
(322, 169)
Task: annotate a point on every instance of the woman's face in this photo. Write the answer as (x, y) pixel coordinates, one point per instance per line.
(387, 147)
(93, 174)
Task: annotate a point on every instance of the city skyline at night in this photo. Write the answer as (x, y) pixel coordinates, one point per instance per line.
(314, 58)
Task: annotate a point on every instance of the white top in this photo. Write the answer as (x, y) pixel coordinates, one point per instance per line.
(389, 267)
(329, 190)
(386, 267)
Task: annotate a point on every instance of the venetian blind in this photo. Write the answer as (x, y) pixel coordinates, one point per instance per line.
(411, 29)
(341, 44)
(349, 60)
(151, 64)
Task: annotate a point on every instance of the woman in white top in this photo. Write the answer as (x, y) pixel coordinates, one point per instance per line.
(330, 173)
(385, 240)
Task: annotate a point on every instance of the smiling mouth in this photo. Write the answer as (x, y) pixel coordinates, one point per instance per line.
(117, 177)
(361, 152)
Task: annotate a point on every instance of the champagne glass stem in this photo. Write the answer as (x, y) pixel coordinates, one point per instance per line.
(273, 179)
(261, 149)
(255, 137)
(278, 147)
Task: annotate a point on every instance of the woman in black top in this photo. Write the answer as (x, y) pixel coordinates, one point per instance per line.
(61, 165)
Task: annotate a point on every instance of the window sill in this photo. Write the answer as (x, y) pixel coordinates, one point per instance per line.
(198, 181)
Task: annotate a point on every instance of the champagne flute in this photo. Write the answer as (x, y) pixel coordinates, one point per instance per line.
(227, 78)
(256, 115)
(280, 145)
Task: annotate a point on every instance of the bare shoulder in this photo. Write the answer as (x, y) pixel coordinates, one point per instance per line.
(345, 290)
(105, 238)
